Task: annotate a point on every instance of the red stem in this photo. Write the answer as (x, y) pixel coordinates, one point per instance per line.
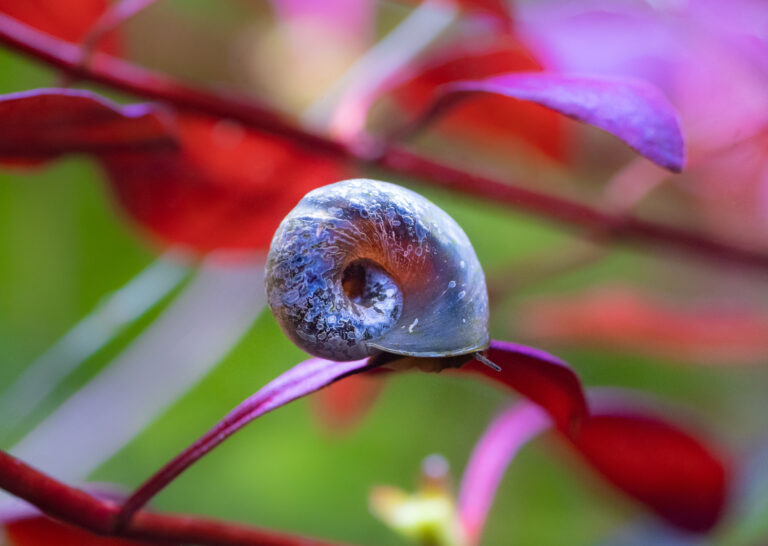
(572, 213)
(78, 508)
(127, 77)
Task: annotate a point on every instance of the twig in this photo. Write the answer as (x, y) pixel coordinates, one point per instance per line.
(79, 508)
(393, 158)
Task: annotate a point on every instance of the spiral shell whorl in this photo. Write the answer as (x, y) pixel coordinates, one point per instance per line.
(361, 266)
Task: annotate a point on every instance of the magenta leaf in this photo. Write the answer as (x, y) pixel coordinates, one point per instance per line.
(539, 376)
(492, 454)
(302, 379)
(42, 124)
(632, 110)
(674, 474)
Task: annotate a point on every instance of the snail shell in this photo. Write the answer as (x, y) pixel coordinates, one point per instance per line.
(362, 267)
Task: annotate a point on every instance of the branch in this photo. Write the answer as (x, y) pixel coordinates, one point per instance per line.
(393, 158)
(79, 508)
(606, 225)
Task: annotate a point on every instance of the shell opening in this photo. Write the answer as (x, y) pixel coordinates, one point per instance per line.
(373, 292)
(353, 280)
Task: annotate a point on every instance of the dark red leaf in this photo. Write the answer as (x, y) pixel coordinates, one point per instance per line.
(70, 20)
(488, 118)
(539, 376)
(43, 531)
(227, 188)
(670, 471)
(42, 124)
(634, 111)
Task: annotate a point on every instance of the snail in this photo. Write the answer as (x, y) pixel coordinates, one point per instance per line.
(364, 268)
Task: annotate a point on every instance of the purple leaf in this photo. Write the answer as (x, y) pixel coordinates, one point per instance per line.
(633, 110)
(539, 376)
(42, 124)
(302, 379)
(492, 454)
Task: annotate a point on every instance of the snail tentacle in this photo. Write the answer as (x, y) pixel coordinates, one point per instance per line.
(480, 357)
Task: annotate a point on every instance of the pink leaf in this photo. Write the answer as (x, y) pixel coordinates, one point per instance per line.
(492, 454)
(539, 376)
(42, 124)
(634, 111)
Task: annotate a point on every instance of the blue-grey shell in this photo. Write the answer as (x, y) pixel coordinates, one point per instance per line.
(424, 292)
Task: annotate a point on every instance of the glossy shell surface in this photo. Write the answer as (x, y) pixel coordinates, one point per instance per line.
(362, 267)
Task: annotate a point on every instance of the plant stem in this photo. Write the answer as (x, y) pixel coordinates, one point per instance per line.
(79, 508)
(395, 159)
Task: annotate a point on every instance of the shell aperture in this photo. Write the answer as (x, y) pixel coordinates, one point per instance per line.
(362, 267)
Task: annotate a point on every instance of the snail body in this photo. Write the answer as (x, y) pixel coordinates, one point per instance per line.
(363, 267)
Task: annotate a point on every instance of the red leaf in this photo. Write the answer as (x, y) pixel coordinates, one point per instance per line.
(42, 124)
(627, 320)
(70, 20)
(228, 188)
(539, 376)
(657, 463)
(490, 118)
(43, 531)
